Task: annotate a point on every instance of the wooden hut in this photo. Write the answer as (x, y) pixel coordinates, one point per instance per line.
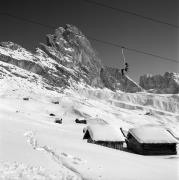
(151, 141)
(104, 135)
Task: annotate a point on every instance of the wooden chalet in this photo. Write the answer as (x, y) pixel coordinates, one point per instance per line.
(151, 141)
(104, 135)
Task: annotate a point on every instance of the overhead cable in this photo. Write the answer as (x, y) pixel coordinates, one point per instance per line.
(92, 38)
(130, 13)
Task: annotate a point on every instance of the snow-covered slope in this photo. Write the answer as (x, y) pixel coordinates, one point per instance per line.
(32, 146)
(67, 70)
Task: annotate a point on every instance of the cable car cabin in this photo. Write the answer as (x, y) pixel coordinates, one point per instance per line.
(151, 141)
(104, 135)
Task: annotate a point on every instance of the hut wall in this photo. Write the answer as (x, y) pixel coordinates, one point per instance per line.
(114, 145)
(159, 149)
(133, 144)
(87, 135)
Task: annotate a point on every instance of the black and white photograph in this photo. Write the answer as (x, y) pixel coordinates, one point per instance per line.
(89, 90)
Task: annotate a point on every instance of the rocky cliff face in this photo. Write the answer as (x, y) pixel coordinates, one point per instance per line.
(166, 84)
(69, 47)
(113, 79)
(66, 56)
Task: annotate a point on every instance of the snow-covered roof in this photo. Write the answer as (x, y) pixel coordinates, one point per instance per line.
(152, 135)
(96, 121)
(105, 133)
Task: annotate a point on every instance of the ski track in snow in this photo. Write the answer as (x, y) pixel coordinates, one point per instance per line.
(61, 160)
(19, 171)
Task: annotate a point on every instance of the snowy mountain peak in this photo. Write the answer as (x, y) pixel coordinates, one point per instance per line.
(66, 57)
(69, 46)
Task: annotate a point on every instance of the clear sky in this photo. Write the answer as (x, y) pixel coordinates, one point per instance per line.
(105, 24)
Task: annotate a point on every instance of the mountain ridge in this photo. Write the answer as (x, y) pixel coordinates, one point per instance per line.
(67, 55)
(168, 83)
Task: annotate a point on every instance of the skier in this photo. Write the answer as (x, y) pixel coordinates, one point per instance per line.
(126, 67)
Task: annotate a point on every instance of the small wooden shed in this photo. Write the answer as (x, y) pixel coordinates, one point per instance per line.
(151, 141)
(104, 135)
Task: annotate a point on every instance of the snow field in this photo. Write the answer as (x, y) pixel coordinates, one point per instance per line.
(61, 152)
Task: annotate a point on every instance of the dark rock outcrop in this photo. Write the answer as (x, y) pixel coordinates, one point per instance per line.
(113, 79)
